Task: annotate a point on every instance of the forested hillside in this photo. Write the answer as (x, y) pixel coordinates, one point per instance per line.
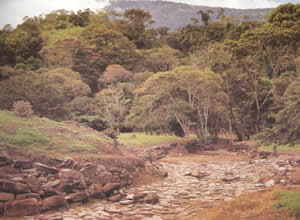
(117, 73)
(177, 15)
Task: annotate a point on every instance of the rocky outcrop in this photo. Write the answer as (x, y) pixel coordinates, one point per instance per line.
(26, 188)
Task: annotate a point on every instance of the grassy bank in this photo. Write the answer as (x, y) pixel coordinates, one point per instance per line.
(142, 139)
(49, 137)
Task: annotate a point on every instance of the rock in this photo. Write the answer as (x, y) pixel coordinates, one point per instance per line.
(53, 183)
(6, 196)
(23, 164)
(69, 174)
(5, 161)
(49, 191)
(24, 207)
(28, 196)
(198, 174)
(53, 202)
(155, 217)
(127, 202)
(160, 173)
(66, 187)
(89, 171)
(12, 187)
(109, 187)
(46, 169)
(115, 170)
(270, 183)
(115, 198)
(67, 163)
(264, 154)
(231, 179)
(78, 197)
(151, 198)
(1, 209)
(139, 196)
(96, 191)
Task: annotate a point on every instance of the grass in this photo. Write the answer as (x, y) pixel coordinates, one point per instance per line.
(289, 201)
(49, 137)
(282, 148)
(142, 139)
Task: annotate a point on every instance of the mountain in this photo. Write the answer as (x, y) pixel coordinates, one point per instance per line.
(176, 15)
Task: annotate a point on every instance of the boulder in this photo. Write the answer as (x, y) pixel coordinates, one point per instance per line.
(109, 187)
(23, 164)
(77, 197)
(115, 170)
(151, 198)
(4, 197)
(67, 163)
(21, 208)
(46, 169)
(53, 202)
(28, 196)
(96, 191)
(12, 187)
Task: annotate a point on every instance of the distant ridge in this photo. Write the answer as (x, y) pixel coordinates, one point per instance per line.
(176, 15)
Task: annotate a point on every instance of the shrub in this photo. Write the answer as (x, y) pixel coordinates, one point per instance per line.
(289, 201)
(23, 109)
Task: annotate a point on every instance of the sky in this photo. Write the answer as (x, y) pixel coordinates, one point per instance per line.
(13, 11)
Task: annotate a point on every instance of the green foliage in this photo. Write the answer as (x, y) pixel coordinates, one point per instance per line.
(285, 15)
(289, 201)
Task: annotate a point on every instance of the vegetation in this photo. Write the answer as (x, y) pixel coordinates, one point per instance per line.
(289, 201)
(119, 73)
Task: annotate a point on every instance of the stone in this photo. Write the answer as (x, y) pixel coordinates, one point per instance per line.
(24, 207)
(12, 187)
(198, 174)
(270, 183)
(139, 196)
(28, 196)
(127, 202)
(69, 174)
(151, 198)
(5, 161)
(67, 163)
(53, 183)
(23, 164)
(53, 202)
(78, 197)
(4, 197)
(89, 171)
(109, 187)
(115, 170)
(1, 209)
(231, 179)
(96, 191)
(66, 187)
(49, 191)
(46, 169)
(115, 198)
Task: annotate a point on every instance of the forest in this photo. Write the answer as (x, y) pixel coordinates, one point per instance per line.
(116, 73)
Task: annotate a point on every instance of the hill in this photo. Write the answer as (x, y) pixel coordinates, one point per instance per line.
(19, 136)
(177, 15)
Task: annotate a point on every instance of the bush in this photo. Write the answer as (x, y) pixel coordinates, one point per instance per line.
(23, 109)
(289, 201)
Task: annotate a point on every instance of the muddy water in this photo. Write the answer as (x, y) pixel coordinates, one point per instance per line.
(182, 195)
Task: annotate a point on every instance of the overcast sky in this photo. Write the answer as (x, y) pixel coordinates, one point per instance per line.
(13, 11)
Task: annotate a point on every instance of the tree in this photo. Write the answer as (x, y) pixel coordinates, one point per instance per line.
(188, 95)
